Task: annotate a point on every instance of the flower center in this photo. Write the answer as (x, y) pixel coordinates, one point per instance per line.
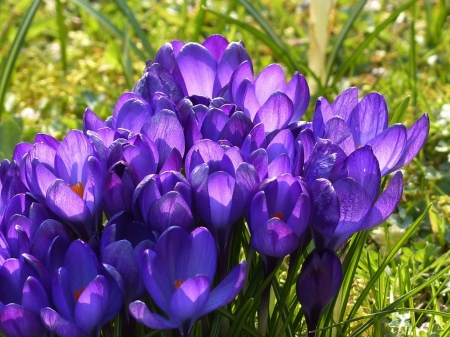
(77, 293)
(278, 215)
(178, 283)
(78, 189)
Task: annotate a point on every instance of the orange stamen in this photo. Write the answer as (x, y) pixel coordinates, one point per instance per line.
(178, 283)
(78, 189)
(77, 293)
(278, 215)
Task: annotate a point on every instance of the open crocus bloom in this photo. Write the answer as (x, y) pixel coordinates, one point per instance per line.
(352, 124)
(178, 275)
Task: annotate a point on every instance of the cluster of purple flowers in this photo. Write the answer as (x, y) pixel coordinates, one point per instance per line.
(197, 146)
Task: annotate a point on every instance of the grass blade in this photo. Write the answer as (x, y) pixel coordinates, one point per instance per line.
(108, 25)
(62, 34)
(400, 112)
(8, 64)
(341, 37)
(343, 68)
(126, 10)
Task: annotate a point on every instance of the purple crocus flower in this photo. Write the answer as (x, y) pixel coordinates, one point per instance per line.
(267, 98)
(86, 294)
(279, 215)
(165, 200)
(10, 183)
(178, 275)
(319, 281)
(23, 293)
(352, 124)
(222, 184)
(68, 178)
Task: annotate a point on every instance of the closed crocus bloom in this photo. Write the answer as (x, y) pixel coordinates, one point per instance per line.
(352, 124)
(23, 294)
(222, 184)
(319, 281)
(86, 294)
(178, 274)
(68, 177)
(162, 201)
(278, 216)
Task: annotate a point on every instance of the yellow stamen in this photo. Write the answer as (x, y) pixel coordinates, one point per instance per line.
(78, 189)
(178, 283)
(77, 293)
(278, 215)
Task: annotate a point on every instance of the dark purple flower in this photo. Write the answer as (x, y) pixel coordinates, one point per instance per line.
(23, 293)
(86, 294)
(352, 124)
(178, 275)
(279, 215)
(319, 281)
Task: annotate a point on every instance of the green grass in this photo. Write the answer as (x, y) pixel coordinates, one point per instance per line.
(60, 57)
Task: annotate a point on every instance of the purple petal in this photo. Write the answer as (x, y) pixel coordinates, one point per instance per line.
(245, 99)
(339, 133)
(276, 112)
(298, 91)
(189, 299)
(18, 321)
(269, 80)
(92, 304)
(280, 165)
(141, 313)
(34, 296)
(213, 124)
(220, 190)
(170, 210)
(260, 161)
(60, 326)
(216, 45)
(91, 121)
(385, 204)
(345, 103)
(369, 118)
(131, 112)
(233, 56)
(165, 56)
(226, 290)
(322, 114)
(282, 143)
(62, 294)
(354, 205)
(242, 73)
(258, 214)
(389, 146)
(197, 256)
(274, 238)
(416, 136)
(318, 283)
(209, 151)
(198, 69)
(236, 128)
(299, 219)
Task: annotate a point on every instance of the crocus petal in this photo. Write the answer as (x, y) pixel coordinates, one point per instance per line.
(322, 114)
(339, 133)
(345, 103)
(198, 255)
(354, 205)
(318, 282)
(226, 290)
(18, 321)
(213, 124)
(133, 112)
(141, 313)
(91, 121)
(189, 299)
(269, 80)
(236, 128)
(71, 157)
(282, 143)
(385, 204)
(298, 91)
(326, 212)
(170, 210)
(258, 214)
(198, 69)
(216, 45)
(242, 73)
(62, 294)
(232, 57)
(276, 112)
(369, 118)
(416, 136)
(34, 296)
(388, 147)
(60, 326)
(45, 234)
(220, 191)
(274, 238)
(92, 304)
(280, 165)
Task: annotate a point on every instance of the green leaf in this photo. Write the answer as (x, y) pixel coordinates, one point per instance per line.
(10, 131)
(108, 25)
(240, 318)
(341, 37)
(62, 34)
(126, 10)
(11, 58)
(351, 60)
(400, 112)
